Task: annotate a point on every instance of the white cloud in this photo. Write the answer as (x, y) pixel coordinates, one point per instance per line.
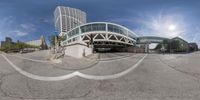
(156, 24)
(6, 21)
(10, 27)
(24, 29)
(196, 38)
(20, 33)
(27, 27)
(159, 25)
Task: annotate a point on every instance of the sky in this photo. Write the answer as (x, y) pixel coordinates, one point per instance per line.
(27, 20)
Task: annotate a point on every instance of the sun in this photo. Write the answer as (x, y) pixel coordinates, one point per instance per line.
(171, 27)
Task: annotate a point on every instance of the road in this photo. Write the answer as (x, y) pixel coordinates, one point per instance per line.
(156, 77)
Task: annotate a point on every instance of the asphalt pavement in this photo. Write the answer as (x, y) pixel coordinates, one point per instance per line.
(134, 77)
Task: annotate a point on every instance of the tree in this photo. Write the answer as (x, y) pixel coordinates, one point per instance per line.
(43, 45)
(20, 46)
(158, 47)
(166, 44)
(175, 45)
(16, 47)
(52, 40)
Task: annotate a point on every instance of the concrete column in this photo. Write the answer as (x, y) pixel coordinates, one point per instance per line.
(147, 47)
(78, 50)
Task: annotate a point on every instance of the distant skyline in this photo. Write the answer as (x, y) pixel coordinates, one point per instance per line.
(27, 20)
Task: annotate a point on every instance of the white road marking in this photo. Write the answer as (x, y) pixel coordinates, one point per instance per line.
(35, 60)
(106, 77)
(114, 58)
(76, 73)
(58, 61)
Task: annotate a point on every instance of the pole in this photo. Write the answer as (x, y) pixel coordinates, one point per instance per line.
(91, 42)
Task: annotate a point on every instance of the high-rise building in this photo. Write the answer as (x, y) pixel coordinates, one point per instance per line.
(66, 18)
(8, 42)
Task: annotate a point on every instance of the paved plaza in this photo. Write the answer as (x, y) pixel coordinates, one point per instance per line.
(102, 76)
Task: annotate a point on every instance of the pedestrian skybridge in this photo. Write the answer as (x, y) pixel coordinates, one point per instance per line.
(101, 34)
(150, 39)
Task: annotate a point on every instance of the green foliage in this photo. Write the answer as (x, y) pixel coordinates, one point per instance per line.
(158, 47)
(173, 45)
(16, 47)
(166, 43)
(43, 46)
(7, 47)
(52, 40)
(61, 38)
(53, 37)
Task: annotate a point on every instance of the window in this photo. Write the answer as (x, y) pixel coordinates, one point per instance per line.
(88, 28)
(98, 27)
(73, 32)
(93, 27)
(110, 28)
(116, 29)
(83, 30)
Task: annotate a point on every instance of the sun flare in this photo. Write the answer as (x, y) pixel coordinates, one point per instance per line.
(172, 27)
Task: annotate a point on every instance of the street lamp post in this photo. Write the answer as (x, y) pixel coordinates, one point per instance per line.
(170, 45)
(91, 42)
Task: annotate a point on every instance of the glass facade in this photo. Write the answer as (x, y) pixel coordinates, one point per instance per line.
(73, 32)
(101, 27)
(131, 35)
(116, 29)
(93, 27)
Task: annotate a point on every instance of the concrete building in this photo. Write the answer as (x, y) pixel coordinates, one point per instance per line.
(193, 47)
(8, 41)
(34, 42)
(180, 45)
(41, 43)
(66, 18)
(144, 42)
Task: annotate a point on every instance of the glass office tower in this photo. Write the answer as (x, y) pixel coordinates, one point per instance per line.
(66, 18)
